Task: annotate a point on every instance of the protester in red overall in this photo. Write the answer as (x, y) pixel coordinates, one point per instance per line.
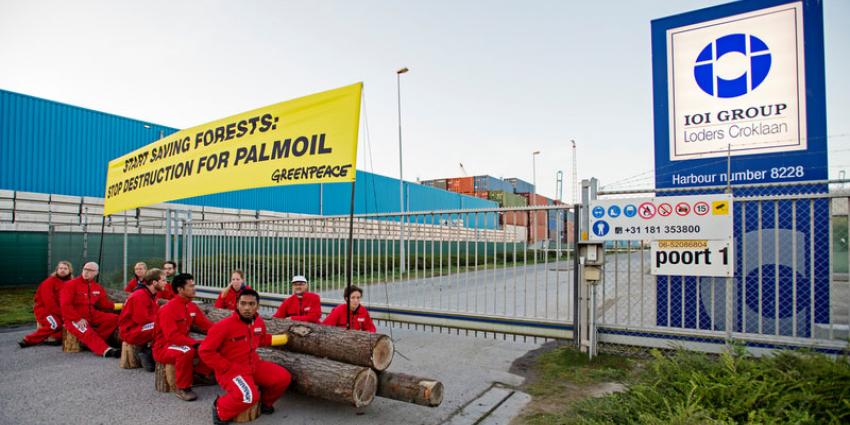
(47, 311)
(172, 343)
(227, 297)
(88, 312)
(139, 269)
(301, 305)
(230, 348)
(360, 317)
(167, 292)
(137, 319)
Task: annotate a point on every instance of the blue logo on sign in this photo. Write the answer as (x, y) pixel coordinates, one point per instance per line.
(598, 212)
(601, 228)
(629, 210)
(759, 65)
(614, 211)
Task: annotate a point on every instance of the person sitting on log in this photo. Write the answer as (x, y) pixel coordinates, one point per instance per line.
(301, 305)
(230, 348)
(46, 309)
(227, 297)
(340, 314)
(167, 292)
(88, 313)
(172, 343)
(139, 269)
(137, 319)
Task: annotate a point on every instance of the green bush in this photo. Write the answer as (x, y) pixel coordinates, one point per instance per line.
(694, 388)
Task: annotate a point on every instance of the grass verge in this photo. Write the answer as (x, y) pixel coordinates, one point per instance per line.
(16, 306)
(797, 387)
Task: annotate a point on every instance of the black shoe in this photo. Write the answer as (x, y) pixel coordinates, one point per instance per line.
(215, 418)
(199, 380)
(266, 410)
(54, 343)
(185, 394)
(24, 344)
(111, 352)
(146, 359)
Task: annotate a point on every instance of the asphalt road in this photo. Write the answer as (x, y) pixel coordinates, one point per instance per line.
(43, 385)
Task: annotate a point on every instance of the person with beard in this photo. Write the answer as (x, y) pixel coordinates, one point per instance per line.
(302, 305)
(136, 321)
(167, 292)
(360, 319)
(227, 297)
(88, 312)
(230, 348)
(47, 310)
(139, 269)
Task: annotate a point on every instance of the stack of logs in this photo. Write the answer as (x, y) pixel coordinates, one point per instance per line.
(335, 364)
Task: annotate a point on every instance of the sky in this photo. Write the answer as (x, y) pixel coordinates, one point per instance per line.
(490, 82)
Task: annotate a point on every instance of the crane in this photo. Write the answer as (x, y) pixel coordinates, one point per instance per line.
(462, 170)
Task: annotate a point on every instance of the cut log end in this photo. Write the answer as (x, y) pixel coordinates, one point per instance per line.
(432, 392)
(382, 353)
(365, 386)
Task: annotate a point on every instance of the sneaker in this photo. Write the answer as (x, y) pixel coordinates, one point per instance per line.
(215, 418)
(53, 342)
(24, 344)
(111, 352)
(185, 394)
(266, 410)
(145, 357)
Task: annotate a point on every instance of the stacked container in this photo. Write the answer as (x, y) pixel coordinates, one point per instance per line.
(520, 186)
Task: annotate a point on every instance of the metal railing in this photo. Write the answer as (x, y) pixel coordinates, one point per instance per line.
(509, 270)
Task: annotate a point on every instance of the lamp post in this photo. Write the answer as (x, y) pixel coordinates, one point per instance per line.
(400, 173)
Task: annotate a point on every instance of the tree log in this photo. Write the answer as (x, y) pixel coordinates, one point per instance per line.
(352, 347)
(326, 379)
(410, 389)
(70, 343)
(128, 357)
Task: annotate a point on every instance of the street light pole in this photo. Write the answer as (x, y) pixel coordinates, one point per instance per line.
(534, 198)
(402, 265)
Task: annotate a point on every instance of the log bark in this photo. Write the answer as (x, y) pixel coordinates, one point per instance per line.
(326, 379)
(352, 347)
(128, 357)
(166, 380)
(410, 389)
(70, 343)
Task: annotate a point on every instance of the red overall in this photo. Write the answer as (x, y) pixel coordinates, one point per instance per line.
(132, 284)
(167, 292)
(230, 348)
(47, 311)
(172, 343)
(306, 308)
(361, 320)
(86, 299)
(136, 321)
(229, 301)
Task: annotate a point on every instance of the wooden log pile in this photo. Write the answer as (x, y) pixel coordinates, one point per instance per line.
(335, 364)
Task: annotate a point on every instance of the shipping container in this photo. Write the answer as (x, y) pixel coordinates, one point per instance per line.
(536, 200)
(461, 184)
(438, 183)
(490, 183)
(520, 186)
(507, 199)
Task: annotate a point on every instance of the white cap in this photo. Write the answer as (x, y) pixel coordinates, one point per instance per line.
(299, 278)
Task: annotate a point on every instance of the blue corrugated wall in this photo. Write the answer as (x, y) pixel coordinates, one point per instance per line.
(51, 147)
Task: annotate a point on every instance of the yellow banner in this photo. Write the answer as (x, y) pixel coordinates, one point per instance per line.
(312, 139)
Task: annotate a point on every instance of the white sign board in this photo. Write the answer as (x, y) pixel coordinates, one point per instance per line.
(698, 217)
(692, 258)
(737, 83)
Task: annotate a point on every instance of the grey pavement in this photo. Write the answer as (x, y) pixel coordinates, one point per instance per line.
(43, 385)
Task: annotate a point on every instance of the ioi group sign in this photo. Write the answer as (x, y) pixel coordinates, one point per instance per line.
(743, 79)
